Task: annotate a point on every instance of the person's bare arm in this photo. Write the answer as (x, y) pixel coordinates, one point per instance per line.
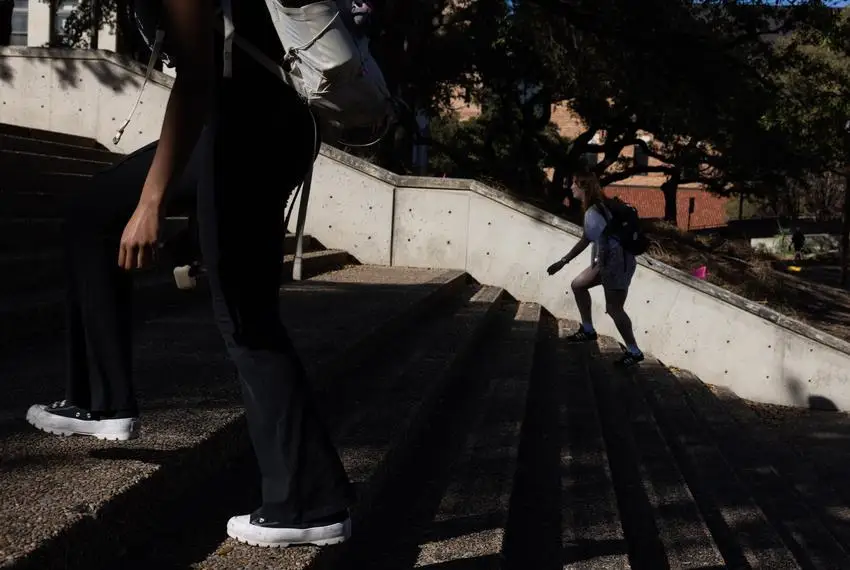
(577, 249)
(573, 253)
(189, 25)
(189, 28)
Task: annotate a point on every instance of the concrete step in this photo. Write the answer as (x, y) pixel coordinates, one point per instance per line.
(475, 435)
(15, 161)
(791, 460)
(591, 532)
(55, 148)
(317, 262)
(383, 430)
(37, 203)
(39, 194)
(22, 235)
(193, 424)
(661, 520)
(40, 315)
(22, 272)
(743, 533)
(29, 272)
(472, 516)
(49, 136)
(19, 181)
(810, 529)
(29, 316)
(33, 204)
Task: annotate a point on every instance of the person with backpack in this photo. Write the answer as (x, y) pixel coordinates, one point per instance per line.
(798, 241)
(251, 140)
(611, 228)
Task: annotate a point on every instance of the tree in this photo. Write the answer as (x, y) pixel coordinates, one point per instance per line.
(818, 196)
(612, 62)
(429, 53)
(88, 18)
(816, 105)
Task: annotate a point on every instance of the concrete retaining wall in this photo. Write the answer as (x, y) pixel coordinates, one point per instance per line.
(382, 218)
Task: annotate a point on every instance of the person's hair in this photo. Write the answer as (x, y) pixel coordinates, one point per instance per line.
(589, 183)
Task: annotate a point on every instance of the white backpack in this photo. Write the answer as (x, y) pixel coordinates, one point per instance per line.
(326, 61)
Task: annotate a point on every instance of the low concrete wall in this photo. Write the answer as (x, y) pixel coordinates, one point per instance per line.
(383, 218)
(727, 340)
(88, 93)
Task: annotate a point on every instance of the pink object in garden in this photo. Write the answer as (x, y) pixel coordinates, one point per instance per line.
(700, 272)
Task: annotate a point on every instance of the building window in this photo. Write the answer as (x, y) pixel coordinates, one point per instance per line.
(64, 8)
(20, 20)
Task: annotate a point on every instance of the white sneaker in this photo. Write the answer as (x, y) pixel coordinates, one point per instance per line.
(62, 418)
(251, 530)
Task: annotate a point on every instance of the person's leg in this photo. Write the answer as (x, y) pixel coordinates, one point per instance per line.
(616, 279)
(99, 398)
(581, 287)
(98, 297)
(615, 301)
(305, 489)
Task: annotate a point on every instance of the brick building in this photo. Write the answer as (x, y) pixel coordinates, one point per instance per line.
(642, 191)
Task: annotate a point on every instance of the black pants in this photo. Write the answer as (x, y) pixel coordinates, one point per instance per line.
(7, 7)
(252, 154)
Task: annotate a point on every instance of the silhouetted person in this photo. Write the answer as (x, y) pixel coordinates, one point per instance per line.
(6, 9)
(258, 141)
(798, 240)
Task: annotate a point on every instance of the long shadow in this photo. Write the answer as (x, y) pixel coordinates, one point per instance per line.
(640, 529)
(333, 404)
(169, 541)
(7, 74)
(69, 70)
(533, 532)
(402, 511)
(193, 480)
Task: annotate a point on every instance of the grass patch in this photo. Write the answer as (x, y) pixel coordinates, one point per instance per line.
(756, 275)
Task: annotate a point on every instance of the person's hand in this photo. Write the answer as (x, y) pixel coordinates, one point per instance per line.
(556, 267)
(138, 242)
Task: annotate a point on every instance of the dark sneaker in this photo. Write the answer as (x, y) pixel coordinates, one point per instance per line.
(629, 359)
(256, 530)
(63, 418)
(582, 335)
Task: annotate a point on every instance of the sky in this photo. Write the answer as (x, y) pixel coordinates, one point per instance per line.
(830, 2)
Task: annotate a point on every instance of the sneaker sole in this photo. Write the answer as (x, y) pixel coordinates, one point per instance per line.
(344, 535)
(322, 542)
(133, 433)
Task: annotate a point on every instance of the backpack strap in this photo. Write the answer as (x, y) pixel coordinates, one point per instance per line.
(155, 51)
(606, 213)
(230, 37)
(253, 51)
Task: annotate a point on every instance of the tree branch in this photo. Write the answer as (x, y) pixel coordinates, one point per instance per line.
(607, 179)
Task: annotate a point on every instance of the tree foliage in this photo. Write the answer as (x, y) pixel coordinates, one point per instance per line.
(743, 97)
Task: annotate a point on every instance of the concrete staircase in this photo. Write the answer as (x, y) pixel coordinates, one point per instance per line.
(475, 435)
(40, 172)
